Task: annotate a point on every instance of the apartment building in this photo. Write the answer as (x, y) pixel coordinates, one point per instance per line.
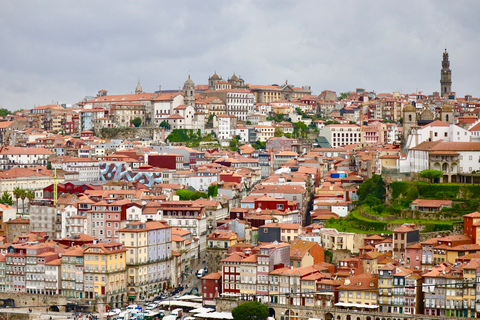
(105, 274)
(339, 135)
(72, 273)
(148, 248)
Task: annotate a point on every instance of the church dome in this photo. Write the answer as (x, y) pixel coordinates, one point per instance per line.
(409, 108)
(446, 108)
(234, 78)
(189, 82)
(215, 77)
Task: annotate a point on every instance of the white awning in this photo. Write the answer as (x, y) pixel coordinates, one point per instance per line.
(215, 315)
(201, 310)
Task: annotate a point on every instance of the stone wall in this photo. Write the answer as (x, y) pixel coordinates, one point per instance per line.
(214, 258)
(339, 254)
(226, 304)
(38, 302)
(17, 316)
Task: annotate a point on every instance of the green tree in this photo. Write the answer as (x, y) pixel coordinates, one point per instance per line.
(259, 144)
(278, 132)
(165, 125)
(16, 193)
(137, 122)
(190, 195)
(185, 194)
(213, 190)
(301, 125)
(373, 187)
(233, 144)
(430, 174)
(49, 165)
(30, 196)
(6, 198)
(4, 112)
(249, 122)
(343, 95)
(252, 310)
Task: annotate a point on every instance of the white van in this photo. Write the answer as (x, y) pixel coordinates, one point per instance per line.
(178, 313)
(200, 273)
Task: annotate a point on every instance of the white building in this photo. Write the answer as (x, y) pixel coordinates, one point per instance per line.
(88, 169)
(239, 103)
(436, 131)
(14, 157)
(191, 218)
(226, 125)
(164, 105)
(341, 134)
(67, 213)
(334, 240)
(453, 158)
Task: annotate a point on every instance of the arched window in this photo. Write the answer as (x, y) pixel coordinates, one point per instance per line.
(409, 117)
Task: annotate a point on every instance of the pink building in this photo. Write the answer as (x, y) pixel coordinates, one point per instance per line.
(413, 256)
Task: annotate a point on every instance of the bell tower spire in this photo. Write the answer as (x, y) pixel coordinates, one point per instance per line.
(445, 75)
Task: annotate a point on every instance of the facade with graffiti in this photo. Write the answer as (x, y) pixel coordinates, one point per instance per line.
(121, 171)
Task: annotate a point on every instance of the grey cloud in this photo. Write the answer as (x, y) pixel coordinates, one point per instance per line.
(64, 50)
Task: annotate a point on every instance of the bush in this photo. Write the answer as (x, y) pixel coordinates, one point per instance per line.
(373, 187)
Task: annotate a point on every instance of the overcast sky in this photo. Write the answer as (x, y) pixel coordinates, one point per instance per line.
(66, 50)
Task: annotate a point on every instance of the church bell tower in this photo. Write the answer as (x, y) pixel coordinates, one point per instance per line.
(446, 76)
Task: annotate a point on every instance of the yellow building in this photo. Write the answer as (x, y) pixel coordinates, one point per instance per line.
(440, 253)
(148, 248)
(458, 251)
(470, 271)
(222, 239)
(134, 237)
(248, 276)
(360, 290)
(266, 94)
(282, 109)
(26, 179)
(309, 287)
(264, 132)
(105, 274)
(454, 293)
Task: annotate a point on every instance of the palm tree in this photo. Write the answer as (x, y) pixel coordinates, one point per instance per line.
(23, 195)
(16, 193)
(30, 196)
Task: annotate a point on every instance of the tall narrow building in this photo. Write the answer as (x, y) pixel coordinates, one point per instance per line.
(446, 75)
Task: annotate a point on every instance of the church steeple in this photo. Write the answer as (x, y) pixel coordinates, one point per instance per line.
(189, 92)
(138, 89)
(445, 76)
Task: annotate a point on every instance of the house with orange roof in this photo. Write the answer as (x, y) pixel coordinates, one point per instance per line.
(305, 253)
(359, 290)
(88, 169)
(289, 280)
(452, 158)
(12, 157)
(284, 232)
(429, 205)
(211, 287)
(404, 236)
(471, 222)
(105, 273)
(15, 228)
